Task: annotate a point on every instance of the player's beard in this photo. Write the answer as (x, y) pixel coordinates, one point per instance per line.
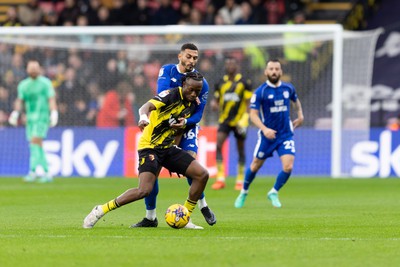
(274, 79)
(188, 68)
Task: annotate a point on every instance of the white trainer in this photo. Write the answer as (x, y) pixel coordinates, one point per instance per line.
(191, 225)
(93, 217)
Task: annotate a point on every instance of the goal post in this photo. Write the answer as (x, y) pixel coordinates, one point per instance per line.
(342, 61)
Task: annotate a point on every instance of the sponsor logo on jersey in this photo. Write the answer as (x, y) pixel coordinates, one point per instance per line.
(164, 93)
(270, 96)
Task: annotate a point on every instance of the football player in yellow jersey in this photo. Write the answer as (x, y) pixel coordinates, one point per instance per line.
(161, 120)
(231, 97)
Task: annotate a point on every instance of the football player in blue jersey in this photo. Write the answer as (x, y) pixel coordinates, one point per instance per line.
(270, 112)
(170, 76)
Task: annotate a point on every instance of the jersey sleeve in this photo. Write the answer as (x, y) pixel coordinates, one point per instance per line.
(198, 114)
(293, 95)
(162, 99)
(164, 78)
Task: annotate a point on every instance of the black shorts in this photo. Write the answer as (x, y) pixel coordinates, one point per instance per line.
(239, 133)
(173, 158)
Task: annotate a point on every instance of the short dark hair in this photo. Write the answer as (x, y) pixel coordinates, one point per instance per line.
(274, 60)
(197, 76)
(189, 46)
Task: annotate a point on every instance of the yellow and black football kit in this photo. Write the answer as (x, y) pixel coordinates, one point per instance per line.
(233, 97)
(156, 145)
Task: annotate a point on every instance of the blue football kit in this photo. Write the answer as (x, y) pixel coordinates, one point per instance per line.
(273, 104)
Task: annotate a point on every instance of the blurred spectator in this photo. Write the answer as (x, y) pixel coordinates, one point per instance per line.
(5, 100)
(246, 17)
(103, 15)
(109, 78)
(11, 17)
(94, 103)
(79, 112)
(195, 17)
(275, 11)
(6, 55)
(119, 13)
(142, 14)
(166, 14)
(50, 18)
(141, 89)
(230, 12)
(70, 89)
(91, 12)
(69, 13)
(208, 18)
(116, 109)
(258, 11)
(393, 124)
(30, 14)
(184, 10)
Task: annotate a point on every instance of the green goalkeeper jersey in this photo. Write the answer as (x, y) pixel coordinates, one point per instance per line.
(36, 93)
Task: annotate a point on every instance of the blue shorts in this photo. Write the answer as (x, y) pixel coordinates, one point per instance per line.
(265, 147)
(189, 139)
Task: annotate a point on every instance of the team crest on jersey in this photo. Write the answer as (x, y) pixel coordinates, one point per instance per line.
(173, 79)
(164, 93)
(286, 94)
(161, 72)
(151, 157)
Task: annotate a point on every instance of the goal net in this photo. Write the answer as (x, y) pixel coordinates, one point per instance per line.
(331, 70)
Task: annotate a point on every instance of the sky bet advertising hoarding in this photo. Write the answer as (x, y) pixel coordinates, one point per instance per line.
(99, 153)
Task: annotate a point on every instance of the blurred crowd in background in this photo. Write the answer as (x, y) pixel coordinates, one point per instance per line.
(150, 12)
(106, 88)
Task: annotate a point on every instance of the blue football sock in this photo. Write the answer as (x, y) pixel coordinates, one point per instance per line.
(281, 180)
(248, 178)
(151, 200)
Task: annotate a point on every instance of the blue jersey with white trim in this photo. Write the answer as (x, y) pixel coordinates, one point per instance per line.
(170, 77)
(273, 104)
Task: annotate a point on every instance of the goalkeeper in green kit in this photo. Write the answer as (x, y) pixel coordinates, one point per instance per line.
(37, 94)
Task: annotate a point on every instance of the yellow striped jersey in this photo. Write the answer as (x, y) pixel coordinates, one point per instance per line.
(233, 97)
(169, 104)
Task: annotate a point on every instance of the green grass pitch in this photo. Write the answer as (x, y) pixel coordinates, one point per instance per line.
(323, 222)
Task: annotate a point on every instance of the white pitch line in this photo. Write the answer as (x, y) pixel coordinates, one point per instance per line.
(215, 237)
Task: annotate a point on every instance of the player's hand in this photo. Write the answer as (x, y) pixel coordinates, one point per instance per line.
(13, 119)
(143, 121)
(298, 122)
(241, 130)
(269, 133)
(178, 124)
(53, 118)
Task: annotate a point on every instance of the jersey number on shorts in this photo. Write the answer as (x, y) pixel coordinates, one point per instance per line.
(289, 145)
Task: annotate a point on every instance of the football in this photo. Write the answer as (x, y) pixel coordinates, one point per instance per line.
(177, 216)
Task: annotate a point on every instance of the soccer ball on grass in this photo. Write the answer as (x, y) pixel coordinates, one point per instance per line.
(177, 216)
